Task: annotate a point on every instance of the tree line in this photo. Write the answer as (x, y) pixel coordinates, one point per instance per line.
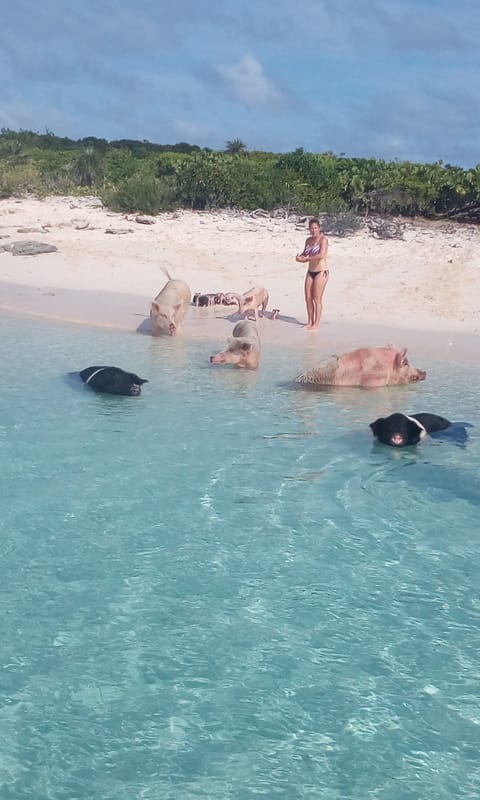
(140, 176)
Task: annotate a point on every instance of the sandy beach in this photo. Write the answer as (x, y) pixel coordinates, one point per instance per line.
(421, 291)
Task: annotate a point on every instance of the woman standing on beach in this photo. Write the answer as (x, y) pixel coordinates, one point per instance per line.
(315, 255)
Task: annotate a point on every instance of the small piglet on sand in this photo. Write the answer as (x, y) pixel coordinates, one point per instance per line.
(243, 348)
(251, 301)
(368, 367)
(112, 380)
(169, 307)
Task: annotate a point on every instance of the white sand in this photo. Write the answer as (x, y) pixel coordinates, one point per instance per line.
(426, 287)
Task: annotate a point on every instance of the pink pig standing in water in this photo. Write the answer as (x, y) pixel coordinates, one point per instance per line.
(368, 367)
(168, 309)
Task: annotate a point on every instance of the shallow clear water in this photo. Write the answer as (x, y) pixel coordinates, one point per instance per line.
(223, 588)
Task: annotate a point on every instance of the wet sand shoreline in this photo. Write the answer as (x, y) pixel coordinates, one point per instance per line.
(119, 312)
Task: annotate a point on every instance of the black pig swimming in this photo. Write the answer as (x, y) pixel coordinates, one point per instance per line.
(112, 380)
(401, 430)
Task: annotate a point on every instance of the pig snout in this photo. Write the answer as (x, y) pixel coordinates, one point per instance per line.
(172, 329)
(219, 358)
(417, 375)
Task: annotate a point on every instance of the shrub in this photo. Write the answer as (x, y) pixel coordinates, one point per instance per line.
(146, 195)
(19, 180)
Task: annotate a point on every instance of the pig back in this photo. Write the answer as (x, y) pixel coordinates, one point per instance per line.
(247, 330)
(326, 374)
(173, 293)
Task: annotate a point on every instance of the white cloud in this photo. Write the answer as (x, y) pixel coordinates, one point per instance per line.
(249, 84)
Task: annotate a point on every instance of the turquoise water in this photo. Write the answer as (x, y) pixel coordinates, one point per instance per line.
(224, 589)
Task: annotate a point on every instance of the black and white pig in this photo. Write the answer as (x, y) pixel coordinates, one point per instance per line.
(112, 380)
(400, 430)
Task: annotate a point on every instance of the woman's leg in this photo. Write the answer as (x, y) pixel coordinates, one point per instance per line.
(318, 288)
(309, 300)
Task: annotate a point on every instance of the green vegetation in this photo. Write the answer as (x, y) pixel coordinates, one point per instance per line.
(139, 176)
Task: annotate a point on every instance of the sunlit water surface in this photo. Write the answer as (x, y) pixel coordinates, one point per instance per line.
(223, 588)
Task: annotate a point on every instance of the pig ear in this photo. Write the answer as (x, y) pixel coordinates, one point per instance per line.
(401, 359)
(155, 307)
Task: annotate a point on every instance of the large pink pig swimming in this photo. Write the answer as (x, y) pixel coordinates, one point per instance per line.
(243, 348)
(168, 309)
(368, 367)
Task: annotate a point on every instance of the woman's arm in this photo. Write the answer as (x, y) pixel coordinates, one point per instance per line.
(323, 247)
(322, 253)
(301, 256)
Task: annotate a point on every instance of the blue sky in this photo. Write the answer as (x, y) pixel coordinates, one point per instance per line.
(393, 79)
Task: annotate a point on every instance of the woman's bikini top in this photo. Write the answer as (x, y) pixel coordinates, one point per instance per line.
(312, 249)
